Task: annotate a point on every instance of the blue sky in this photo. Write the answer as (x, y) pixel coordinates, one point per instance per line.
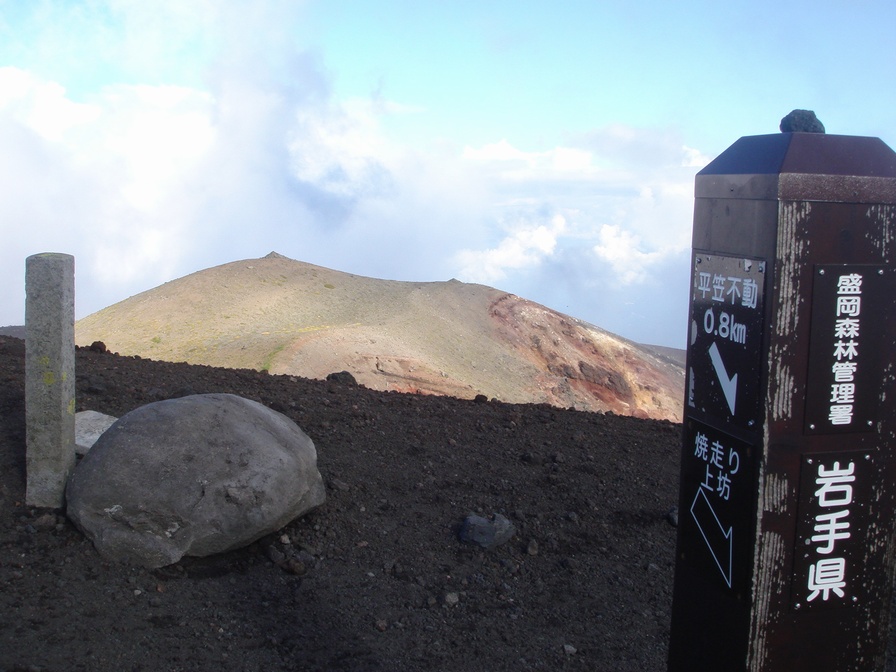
(547, 149)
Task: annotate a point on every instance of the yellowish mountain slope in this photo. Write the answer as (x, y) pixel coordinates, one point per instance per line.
(454, 338)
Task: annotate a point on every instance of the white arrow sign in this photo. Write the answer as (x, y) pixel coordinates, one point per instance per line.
(719, 539)
(729, 385)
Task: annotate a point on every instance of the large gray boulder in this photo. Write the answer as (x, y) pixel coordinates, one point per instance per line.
(197, 475)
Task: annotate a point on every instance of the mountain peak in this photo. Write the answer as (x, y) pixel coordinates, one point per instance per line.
(448, 337)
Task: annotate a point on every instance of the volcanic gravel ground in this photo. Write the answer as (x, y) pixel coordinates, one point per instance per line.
(377, 578)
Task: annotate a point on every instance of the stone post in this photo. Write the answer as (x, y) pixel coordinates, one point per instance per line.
(49, 377)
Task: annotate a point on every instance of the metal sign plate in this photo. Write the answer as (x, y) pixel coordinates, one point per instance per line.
(843, 387)
(718, 491)
(834, 516)
(727, 295)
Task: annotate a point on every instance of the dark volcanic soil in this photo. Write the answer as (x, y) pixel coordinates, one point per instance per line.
(585, 584)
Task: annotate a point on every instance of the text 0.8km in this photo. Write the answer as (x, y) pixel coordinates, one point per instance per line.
(725, 326)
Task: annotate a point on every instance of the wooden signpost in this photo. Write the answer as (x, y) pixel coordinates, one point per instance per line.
(785, 553)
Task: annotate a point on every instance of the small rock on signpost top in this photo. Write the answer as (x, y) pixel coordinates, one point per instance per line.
(801, 121)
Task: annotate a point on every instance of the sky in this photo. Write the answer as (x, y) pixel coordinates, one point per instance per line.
(547, 149)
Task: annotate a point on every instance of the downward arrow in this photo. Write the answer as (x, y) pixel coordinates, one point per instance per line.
(719, 540)
(729, 385)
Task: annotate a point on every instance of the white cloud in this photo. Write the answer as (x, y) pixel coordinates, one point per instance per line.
(628, 210)
(341, 149)
(637, 148)
(622, 249)
(153, 176)
(156, 134)
(499, 151)
(693, 158)
(40, 105)
(148, 182)
(142, 180)
(126, 154)
(511, 163)
(526, 245)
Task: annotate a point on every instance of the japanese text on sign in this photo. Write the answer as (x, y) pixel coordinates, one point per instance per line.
(828, 570)
(716, 476)
(728, 289)
(722, 290)
(721, 464)
(727, 294)
(846, 348)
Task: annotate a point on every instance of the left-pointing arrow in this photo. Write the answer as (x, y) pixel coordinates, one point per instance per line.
(719, 540)
(729, 385)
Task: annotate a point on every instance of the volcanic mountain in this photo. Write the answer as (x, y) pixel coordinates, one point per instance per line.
(447, 338)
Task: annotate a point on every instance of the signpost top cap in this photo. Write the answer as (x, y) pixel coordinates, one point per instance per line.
(805, 153)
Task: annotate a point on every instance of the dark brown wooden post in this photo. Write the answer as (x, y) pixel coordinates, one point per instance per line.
(785, 552)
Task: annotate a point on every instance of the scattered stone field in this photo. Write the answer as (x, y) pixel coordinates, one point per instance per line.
(377, 578)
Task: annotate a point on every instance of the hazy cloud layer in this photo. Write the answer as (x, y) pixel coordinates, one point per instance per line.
(170, 171)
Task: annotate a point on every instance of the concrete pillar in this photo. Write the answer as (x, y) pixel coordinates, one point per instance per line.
(49, 377)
